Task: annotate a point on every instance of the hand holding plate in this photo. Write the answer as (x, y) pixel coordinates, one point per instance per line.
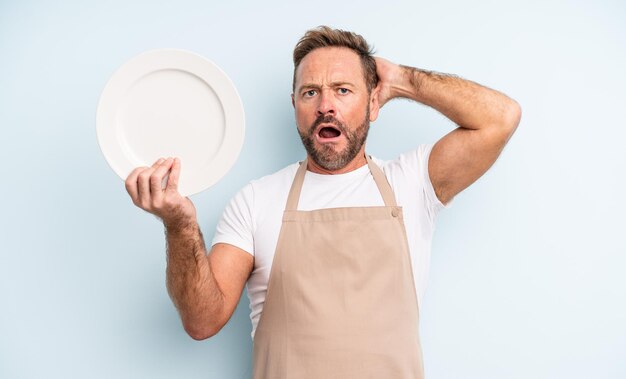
(144, 185)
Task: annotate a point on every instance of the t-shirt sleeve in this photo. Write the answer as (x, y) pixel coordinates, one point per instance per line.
(236, 225)
(414, 164)
(433, 201)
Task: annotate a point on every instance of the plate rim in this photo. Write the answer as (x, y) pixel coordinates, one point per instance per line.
(190, 62)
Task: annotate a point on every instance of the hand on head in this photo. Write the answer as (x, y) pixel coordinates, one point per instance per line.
(387, 72)
(144, 185)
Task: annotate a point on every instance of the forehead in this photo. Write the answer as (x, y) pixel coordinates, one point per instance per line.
(330, 64)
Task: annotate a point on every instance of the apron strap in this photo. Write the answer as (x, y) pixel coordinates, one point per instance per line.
(296, 187)
(379, 177)
(381, 181)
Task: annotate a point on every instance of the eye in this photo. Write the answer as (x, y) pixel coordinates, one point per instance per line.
(310, 93)
(343, 91)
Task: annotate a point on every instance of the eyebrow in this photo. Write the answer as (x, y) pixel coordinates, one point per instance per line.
(333, 84)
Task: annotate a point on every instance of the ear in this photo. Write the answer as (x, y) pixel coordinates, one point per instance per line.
(293, 101)
(374, 104)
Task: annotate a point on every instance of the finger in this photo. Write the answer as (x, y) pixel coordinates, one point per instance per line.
(131, 182)
(172, 181)
(156, 179)
(143, 183)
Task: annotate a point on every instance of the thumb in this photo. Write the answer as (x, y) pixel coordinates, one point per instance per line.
(381, 94)
(172, 181)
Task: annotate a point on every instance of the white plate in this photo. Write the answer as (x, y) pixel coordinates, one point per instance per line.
(166, 103)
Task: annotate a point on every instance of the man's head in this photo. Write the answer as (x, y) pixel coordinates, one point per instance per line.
(334, 97)
(324, 36)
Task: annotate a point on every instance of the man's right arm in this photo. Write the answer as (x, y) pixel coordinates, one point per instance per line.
(204, 288)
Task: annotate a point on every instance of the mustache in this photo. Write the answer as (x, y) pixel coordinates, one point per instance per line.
(327, 119)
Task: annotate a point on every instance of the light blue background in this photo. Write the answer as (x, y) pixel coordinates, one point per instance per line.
(527, 267)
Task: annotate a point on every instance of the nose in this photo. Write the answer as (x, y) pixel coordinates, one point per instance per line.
(326, 104)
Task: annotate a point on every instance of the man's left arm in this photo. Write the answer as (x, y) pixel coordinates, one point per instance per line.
(486, 120)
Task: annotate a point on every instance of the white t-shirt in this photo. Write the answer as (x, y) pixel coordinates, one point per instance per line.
(252, 220)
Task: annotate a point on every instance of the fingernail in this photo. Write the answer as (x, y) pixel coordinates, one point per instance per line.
(160, 160)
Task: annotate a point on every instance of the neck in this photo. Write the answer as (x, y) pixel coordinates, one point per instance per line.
(358, 162)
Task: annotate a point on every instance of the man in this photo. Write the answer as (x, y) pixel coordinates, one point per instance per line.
(334, 276)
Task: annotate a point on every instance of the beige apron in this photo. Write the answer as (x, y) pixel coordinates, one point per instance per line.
(341, 299)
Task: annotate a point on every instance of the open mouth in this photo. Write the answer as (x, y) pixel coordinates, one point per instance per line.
(328, 132)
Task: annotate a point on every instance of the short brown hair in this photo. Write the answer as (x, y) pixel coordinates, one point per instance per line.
(323, 36)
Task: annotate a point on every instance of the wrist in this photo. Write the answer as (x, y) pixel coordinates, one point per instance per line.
(409, 83)
(180, 225)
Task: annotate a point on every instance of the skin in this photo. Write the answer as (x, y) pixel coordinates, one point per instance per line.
(330, 81)
(206, 288)
(486, 120)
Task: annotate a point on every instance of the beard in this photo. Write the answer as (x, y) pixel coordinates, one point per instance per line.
(326, 156)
